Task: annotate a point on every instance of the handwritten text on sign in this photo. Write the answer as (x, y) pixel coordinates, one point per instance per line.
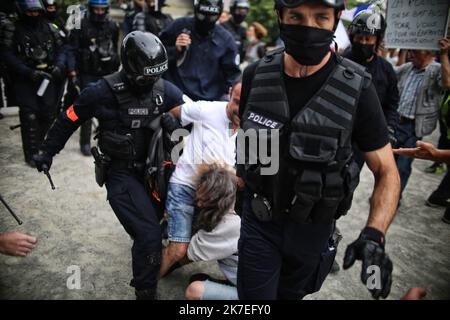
(416, 24)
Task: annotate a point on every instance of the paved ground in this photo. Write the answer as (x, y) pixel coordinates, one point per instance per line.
(75, 226)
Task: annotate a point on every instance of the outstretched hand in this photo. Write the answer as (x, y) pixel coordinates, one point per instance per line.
(423, 150)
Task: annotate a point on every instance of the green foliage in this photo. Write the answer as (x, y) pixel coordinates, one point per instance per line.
(263, 12)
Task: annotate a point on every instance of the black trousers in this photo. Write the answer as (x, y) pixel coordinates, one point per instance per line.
(282, 259)
(36, 113)
(132, 205)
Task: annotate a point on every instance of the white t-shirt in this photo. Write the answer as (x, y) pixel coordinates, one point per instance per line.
(211, 139)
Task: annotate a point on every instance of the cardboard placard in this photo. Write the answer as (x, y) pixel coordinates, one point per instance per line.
(416, 24)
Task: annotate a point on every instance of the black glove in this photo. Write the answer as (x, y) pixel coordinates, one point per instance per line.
(58, 72)
(392, 139)
(74, 84)
(169, 122)
(369, 248)
(38, 75)
(43, 161)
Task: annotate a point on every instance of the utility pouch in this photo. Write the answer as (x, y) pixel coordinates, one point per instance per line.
(261, 208)
(351, 181)
(312, 148)
(101, 166)
(117, 146)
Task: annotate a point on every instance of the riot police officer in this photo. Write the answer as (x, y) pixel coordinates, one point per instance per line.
(7, 19)
(306, 104)
(51, 12)
(152, 19)
(203, 57)
(36, 61)
(239, 10)
(125, 103)
(366, 34)
(94, 54)
(131, 11)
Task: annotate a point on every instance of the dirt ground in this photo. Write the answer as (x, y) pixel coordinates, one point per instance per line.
(76, 227)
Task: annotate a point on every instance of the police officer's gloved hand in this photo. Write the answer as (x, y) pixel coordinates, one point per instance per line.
(39, 75)
(369, 248)
(169, 122)
(43, 161)
(392, 139)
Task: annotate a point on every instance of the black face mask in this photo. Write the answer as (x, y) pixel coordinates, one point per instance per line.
(143, 85)
(204, 24)
(239, 18)
(307, 45)
(362, 52)
(52, 15)
(32, 21)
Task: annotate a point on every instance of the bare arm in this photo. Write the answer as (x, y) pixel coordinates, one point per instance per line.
(402, 57)
(176, 112)
(425, 151)
(383, 205)
(445, 64)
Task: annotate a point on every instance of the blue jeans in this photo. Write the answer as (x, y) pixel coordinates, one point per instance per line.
(406, 138)
(180, 208)
(218, 291)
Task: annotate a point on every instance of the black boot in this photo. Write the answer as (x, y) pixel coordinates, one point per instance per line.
(446, 217)
(85, 138)
(146, 294)
(31, 139)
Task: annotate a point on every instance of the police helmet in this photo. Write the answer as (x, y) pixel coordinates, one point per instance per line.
(239, 10)
(29, 5)
(144, 58)
(48, 3)
(98, 3)
(208, 9)
(368, 22)
(244, 4)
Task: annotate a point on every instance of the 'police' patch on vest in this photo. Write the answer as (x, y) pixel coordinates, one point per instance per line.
(156, 70)
(138, 111)
(264, 121)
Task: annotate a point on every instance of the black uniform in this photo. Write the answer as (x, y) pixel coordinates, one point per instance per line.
(385, 82)
(288, 253)
(35, 47)
(123, 118)
(239, 34)
(151, 21)
(94, 54)
(6, 39)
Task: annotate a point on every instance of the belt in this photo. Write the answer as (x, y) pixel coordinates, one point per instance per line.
(131, 165)
(403, 119)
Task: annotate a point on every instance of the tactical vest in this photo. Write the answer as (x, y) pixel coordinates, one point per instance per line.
(127, 136)
(317, 176)
(38, 48)
(98, 53)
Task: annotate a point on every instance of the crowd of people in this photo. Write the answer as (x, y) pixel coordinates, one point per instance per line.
(211, 76)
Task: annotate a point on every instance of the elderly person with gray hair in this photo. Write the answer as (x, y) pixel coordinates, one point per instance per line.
(216, 234)
(420, 84)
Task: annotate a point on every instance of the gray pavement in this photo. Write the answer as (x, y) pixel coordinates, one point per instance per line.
(76, 227)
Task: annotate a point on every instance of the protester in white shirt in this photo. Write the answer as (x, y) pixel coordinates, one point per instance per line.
(212, 139)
